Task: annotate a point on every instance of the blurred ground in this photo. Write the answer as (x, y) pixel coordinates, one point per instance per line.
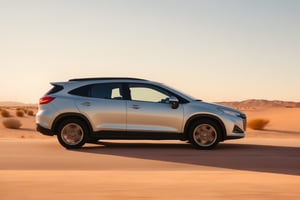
(264, 165)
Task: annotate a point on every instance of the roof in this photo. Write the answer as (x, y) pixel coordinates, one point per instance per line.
(105, 78)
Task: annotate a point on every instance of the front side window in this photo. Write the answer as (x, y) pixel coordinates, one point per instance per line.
(148, 93)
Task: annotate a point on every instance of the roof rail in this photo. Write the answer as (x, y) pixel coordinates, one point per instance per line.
(105, 78)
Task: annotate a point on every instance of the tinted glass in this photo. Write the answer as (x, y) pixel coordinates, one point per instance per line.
(81, 91)
(54, 89)
(106, 91)
(103, 91)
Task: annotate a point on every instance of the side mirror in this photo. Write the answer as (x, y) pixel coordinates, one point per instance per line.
(174, 102)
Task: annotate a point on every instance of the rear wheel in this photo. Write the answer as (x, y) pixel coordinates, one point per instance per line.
(72, 133)
(204, 134)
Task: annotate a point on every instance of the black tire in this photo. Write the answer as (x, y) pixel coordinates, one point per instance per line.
(204, 134)
(72, 133)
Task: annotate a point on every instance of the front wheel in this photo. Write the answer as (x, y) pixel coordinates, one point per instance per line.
(72, 133)
(204, 134)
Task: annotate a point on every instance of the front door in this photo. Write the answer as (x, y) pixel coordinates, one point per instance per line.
(148, 110)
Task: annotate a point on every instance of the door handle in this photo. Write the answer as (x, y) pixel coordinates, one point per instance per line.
(135, 106)
(86, 104)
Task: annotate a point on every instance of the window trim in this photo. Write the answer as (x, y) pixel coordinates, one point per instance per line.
(128, 95)
(90, 86)
(125, 90)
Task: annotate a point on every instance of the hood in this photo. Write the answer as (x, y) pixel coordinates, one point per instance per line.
(216, 106)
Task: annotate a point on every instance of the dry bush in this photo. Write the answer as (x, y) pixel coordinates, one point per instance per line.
(20, 113)
(30, 113)
(12, 123)
(24, 110)
(258, 124)
(5, 113)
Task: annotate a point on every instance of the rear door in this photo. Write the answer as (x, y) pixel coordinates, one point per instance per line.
(104, 106)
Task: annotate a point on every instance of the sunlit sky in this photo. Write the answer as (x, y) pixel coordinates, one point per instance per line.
(215, 50)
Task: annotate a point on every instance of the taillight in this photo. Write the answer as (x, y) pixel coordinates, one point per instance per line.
(46, 100)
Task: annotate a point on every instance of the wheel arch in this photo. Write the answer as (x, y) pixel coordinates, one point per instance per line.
(215, 119)
(59, 119)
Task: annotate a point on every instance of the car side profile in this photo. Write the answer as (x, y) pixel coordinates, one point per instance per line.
(86, 110)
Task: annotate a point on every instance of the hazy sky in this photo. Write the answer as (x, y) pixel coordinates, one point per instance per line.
(216, 50)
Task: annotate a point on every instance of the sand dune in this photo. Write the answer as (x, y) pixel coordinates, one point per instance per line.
(281, 119)
(16, 104)
(261, 103)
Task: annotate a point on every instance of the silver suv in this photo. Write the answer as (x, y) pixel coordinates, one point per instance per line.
(91, 109)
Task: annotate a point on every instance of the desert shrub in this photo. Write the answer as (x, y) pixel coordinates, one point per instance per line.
(258, 124)
(20, 113)
(24, 110)
(30, 113)
(12, 123)
(5, 113)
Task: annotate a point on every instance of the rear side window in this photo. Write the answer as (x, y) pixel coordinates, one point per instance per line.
(101, 91)
(55, 89)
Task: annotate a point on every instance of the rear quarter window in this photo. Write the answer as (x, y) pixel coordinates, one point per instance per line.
(83, 91)
(55, 89)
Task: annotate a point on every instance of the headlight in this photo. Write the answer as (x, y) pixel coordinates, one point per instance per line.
(230, 112)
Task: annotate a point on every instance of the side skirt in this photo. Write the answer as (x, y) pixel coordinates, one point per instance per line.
(138, 135)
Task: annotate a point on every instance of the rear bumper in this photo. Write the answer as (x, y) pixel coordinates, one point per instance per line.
(44, 131)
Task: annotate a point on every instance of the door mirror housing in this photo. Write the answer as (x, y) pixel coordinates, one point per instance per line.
(174, 102)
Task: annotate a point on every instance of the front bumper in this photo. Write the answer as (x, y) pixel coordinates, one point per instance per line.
(235, 136)
(239, 129)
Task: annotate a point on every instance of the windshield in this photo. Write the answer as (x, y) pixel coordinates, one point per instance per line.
(187, 96)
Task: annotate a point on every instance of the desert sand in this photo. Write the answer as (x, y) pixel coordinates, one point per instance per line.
(264, 165)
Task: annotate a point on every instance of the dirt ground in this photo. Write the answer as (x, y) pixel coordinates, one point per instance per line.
(264, 165)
